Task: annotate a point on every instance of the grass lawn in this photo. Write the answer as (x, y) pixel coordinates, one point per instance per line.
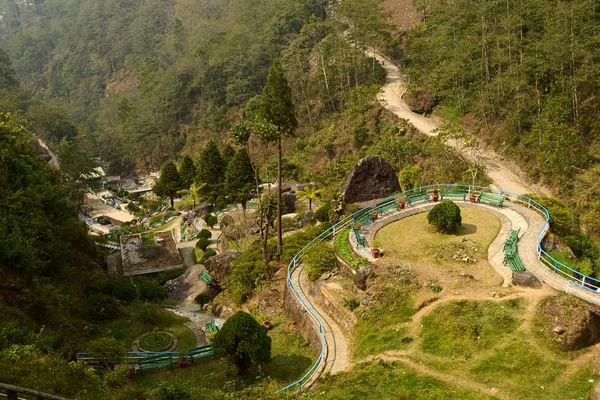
(342, 246)
(463, 328)
(291, 357)
(382, 380)
(380, 327)
(145, 317)
(413, 239)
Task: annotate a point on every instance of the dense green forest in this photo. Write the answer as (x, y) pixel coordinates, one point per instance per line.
(525, 75)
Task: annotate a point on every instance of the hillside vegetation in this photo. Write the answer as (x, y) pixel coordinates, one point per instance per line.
(523, 74)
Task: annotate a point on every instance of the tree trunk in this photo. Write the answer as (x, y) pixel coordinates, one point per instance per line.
(309, 204)
(279, 208)
(172, 196)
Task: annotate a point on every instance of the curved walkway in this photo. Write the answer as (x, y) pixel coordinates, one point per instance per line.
(336, 358)
(514, 216)
(519, 213)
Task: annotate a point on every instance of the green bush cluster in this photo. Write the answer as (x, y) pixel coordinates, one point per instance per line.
(203, 243)
(210, 219)
(207, 254)
(204, 233)
(246, 274)
(318, 259)
(150, 290)
(445, 216)
(322, 213)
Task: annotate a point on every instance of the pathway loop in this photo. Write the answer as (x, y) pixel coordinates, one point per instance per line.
(521, 211)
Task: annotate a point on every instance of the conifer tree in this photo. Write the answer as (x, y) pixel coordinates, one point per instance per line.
(239, 178)
(169, 183)
(211, 172)
(277, 108)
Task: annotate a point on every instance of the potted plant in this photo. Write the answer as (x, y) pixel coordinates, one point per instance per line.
(375, 252)
(374, 215)
(435, 196)
(472, 197)
(401, 202)
(357, 226)
(131, 373)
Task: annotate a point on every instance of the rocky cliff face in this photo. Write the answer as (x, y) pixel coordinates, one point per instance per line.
(371, 178)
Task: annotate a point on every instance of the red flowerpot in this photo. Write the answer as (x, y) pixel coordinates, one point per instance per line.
(473, 199)
(375, 253)
(435, 197)
(131, 374)
(401, 206)
(373, 217)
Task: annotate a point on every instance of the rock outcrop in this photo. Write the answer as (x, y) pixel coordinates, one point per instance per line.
(371, 178)
(526, 279)
(569, 323)
(218, 266)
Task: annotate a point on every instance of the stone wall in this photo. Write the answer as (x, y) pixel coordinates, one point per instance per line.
(343, 317)
(305, 324)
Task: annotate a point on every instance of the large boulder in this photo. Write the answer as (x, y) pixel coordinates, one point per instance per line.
(218, 266)
(360, 278)
(372, 178)
(526, 279)
(569, 323)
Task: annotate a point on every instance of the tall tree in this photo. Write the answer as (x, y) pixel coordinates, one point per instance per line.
(7, 74)
(239, 178)
(211, 172)
(169, 183)
(277, 108)
(188, 173)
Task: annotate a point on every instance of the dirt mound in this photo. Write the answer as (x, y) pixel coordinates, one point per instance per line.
(568, 322)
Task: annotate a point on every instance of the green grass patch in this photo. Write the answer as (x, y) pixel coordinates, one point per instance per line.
(197, 255)
(521, 370)
(380, 327)
(155, 341)
(148, 238)
(342, 246)
(389, 381)
(413, 239)
(291, 357)
(465, 328)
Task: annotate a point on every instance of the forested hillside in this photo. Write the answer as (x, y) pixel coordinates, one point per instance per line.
(145, 80)
(525, 75)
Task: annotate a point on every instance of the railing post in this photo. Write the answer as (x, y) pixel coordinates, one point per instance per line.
(11, 395)
(528, 203)
(583, 281)
(555, 266)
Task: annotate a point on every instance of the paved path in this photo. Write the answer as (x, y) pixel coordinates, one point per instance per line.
(336, 357)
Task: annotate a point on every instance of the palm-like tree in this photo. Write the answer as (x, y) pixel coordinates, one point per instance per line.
(309, 192)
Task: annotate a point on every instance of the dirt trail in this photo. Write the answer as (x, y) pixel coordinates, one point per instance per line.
(503, 177)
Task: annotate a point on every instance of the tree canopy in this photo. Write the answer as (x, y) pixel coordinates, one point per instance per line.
(244, 341)
(169, 182)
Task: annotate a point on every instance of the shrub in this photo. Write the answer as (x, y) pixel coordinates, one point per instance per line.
(202, 243)
(244, 341)
(100, 307)
(173, 391)
(322, 213)
(207, 254)
(318, 259)
(351, 303)
(150, 290)
(155, 220)
(221, 202)
(125, 291)
(445, 216)
(110, 350)
(202, 299)
(205, 233)
(210, 219)
(246, 274)
(226, 220)
(11, 333)
(582, 246)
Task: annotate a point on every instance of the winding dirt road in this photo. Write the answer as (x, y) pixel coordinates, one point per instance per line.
(503, 177)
